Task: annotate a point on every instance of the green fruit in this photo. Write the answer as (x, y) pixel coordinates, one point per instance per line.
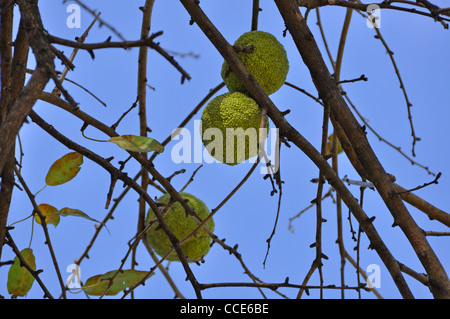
(230, 127)
(181, 225)
(267, 62)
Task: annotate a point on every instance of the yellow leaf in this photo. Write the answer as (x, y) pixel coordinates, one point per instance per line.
(329, 145)
(64, 169)
(51, 214)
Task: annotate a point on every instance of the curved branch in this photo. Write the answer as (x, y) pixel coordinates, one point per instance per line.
(128, 181)
(382, 5)
(331, 95)
(125, 45)
(226, 50)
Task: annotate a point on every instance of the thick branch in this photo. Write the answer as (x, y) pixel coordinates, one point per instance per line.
(128, 181)
(36, 35)
(331, 95)
(142, 98)
(432, 211)
(226, 50)
(26, 100)
(7, 173)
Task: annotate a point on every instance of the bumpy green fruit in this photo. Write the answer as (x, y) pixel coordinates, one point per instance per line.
(196, 246)
(267, 62)
(230, 127)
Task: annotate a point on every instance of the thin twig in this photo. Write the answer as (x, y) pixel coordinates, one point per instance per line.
(301, 34)
(147, 10)
(125, 45)
(363, 7)
(382, 139)
(436, 233)
(45, 229)
(403, 88)
(127, 180)
(435, 181)
(74, 53)
(275, 286)
(255, 13)
(101, 21)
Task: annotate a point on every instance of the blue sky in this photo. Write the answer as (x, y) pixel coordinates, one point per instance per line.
(421, 49)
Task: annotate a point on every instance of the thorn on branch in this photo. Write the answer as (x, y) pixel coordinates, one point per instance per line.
(91, 53)
(363, 129)
(111, 189)
(392, 177)
(8, 262)
(85, 125)
(284, 113)
(64, 60)
(122, 163)
(285, 141)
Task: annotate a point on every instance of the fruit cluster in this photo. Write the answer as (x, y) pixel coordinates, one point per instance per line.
(229, 118)
(234, 118)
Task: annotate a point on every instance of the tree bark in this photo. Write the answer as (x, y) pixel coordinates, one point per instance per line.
(255, 90)
(331, 95)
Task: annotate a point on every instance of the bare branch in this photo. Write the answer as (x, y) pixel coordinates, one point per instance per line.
(293, 135)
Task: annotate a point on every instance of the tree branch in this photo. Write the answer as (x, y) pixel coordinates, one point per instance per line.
(255, 90)
(148, 42)
(36, 35)
(331, 95)
(128, 181)
(382, 5)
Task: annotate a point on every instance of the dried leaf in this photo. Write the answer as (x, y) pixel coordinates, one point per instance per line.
(66, 211)
(64, 169)
(96, 285)
(19, 278)
(51, 214)
(136, 143)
